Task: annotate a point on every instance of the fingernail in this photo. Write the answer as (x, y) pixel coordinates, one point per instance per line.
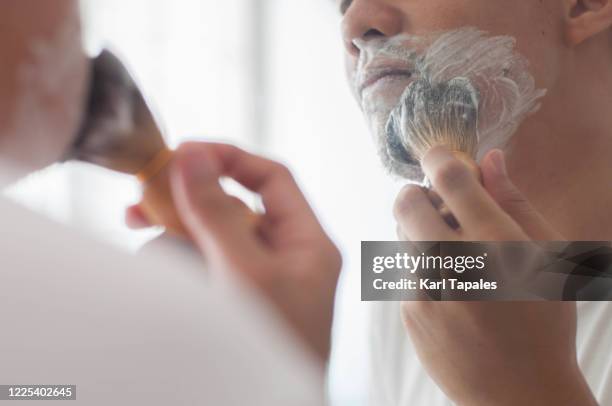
(499, 162)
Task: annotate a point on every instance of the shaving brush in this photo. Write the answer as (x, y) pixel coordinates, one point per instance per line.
(119, 133)
(432, 114)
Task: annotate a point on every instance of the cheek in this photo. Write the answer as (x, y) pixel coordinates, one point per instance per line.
(542, 43)
(539, 32)
(538, 29)
(536, 26)
(445, 15)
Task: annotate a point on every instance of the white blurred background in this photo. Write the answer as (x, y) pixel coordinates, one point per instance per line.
(268, 75)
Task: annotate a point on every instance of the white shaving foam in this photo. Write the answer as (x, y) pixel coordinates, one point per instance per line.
(507, 91)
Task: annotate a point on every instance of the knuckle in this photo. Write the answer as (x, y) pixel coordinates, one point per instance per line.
(329, 256)
(230, 148)
(451, 175)
(325, 254)
(228, 151)
(282, 170)
(335, 258)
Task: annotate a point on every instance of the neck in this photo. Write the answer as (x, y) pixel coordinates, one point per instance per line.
(564, 166)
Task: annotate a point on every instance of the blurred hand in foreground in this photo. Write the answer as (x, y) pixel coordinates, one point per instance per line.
(492, 353)
(284, 252)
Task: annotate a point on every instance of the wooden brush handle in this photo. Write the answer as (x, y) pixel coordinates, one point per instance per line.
(157, 203)
(444, 211)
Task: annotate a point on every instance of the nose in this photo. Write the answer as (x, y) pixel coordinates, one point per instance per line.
(365, 20)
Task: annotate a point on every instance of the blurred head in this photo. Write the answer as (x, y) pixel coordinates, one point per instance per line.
(43, 73)
(568, 44)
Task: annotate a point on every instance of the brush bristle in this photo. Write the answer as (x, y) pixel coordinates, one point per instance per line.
(119, 131)
(431, 114)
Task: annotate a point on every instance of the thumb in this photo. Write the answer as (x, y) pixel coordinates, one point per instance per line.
(497, 182)
(220, 224)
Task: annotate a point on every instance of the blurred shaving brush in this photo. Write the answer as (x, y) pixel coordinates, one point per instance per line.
(119, 133)
(432, 114)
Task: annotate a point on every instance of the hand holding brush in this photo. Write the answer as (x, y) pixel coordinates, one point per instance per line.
(436, 114)
(119, 132)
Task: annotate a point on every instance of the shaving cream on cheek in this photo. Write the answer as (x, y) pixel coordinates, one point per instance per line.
(506, 90)
(51, 89)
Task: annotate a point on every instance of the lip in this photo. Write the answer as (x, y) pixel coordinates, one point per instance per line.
(374, 76)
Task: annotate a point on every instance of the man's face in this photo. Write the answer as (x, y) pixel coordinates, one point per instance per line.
(42, 80)
(378, 79)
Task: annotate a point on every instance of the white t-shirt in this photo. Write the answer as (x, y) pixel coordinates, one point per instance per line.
(398, 379)
(137, 330)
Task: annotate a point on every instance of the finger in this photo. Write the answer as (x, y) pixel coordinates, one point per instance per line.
(400, 234)
(135, 218)
(465, 196)
(418, 219)
(214, 219)
(512, 201)
(283, 201)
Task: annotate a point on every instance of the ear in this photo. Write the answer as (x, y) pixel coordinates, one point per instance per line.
(587, 18)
